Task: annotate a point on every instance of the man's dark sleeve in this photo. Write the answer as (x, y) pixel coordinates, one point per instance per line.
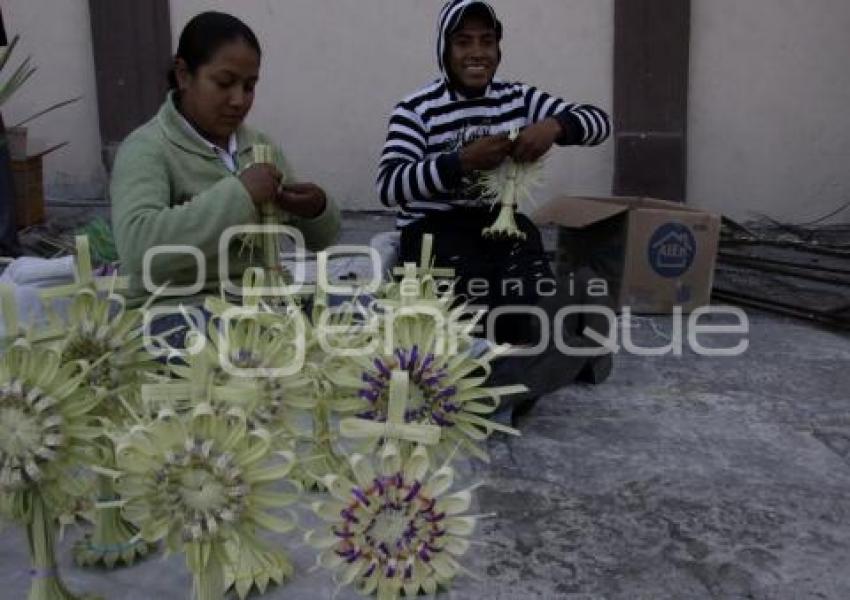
(583, 124)
(404, 174)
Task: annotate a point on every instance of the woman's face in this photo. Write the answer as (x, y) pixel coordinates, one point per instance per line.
(217, 97)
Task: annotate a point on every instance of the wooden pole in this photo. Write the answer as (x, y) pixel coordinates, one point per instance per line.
(651, 73)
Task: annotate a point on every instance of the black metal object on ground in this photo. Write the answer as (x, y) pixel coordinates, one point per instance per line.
(793, 270)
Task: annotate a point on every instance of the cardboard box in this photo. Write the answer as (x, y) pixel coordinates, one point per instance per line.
(654, 254)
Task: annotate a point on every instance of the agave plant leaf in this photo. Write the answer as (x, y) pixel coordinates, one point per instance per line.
(47, 110)
(7, 52)
(18, 78)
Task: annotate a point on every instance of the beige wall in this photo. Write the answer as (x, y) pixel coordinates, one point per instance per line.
(770, 94)
(333, 69)
(768, 103)
(58, 36)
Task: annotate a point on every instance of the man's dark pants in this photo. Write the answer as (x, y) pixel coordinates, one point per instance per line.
(517, 273)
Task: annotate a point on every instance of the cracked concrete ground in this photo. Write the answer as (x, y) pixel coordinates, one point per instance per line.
(679, 478)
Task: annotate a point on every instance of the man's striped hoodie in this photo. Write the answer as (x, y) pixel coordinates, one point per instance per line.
(420, 169)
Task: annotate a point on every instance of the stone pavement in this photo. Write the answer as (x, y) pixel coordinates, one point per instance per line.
(679, 478)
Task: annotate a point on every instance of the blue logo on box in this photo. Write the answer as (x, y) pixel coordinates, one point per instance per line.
(672, 250)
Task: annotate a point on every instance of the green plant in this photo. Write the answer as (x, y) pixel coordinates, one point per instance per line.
(101, 240)
(47, 110)
(19, 77)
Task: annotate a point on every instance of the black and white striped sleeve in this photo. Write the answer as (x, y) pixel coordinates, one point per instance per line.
(404, 173)
(587, 125)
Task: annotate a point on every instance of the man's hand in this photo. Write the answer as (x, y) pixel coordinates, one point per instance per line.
(261, 181)
(485, 154)
(306, 200)
(536, 140)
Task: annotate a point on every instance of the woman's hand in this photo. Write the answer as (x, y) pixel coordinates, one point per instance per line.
(262, 182)
(305, 200)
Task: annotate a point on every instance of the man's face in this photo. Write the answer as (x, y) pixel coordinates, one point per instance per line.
(474, 54)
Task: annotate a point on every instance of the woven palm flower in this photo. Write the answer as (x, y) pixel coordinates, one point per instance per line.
(508, 185)
(203, 484)
(331, 330)
(425, 287)
(238, 372)
(430, 340)
(104, 332)
(46, 437)
(45, 432)
(109, 337)
(249, 360)
(100, 331)
(394, 530)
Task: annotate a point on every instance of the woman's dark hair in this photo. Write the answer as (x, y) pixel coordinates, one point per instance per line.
(204, 35)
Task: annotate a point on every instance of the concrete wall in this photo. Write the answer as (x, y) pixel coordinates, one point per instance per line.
(333, 69)
(58, 37)
(770, 91)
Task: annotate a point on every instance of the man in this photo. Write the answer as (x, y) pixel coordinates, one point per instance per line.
(444, 135)
(458, 125)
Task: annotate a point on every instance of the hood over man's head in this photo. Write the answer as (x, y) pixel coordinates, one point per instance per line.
(468, 48)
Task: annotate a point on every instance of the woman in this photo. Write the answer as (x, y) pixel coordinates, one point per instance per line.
(181, 179)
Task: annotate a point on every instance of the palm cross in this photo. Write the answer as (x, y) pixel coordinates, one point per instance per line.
(426, 261)
(84, 277)
(395, 428)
